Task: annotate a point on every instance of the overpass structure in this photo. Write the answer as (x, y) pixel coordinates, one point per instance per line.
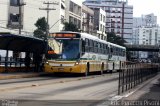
(150, 48)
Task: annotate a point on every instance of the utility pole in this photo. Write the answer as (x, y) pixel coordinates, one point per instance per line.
(20, 15)
(123, 6)
(48, 9)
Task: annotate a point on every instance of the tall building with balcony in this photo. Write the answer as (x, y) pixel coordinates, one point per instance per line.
(30, 13)
(94, 21)
(146, 32)
(145, 21)
(73, 12)
(149, 20)
(148, 36)
(100, 23)
(119, 16)
(87, 20)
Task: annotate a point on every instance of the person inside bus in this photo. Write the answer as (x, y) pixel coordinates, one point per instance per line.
(70, 50)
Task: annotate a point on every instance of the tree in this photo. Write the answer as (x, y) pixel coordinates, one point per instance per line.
(111, 37)
(41, 25)
(70, 27)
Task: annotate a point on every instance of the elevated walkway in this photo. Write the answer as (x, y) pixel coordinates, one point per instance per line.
(152, 48)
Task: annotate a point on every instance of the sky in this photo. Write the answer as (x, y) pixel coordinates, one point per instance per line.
(145, 7)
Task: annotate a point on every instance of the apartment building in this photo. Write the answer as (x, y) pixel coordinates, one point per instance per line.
(119, 16)
(87, 20)
(30, 13)
(73, 12)
(146, 32)
(100, 23)
(147, 36)
(149, 20)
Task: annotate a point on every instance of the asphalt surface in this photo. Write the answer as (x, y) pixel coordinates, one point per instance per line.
(55, 91)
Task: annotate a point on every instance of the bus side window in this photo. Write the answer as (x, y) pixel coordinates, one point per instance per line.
(83, 46)
(91, 46)
(106, 49)
(86, 45)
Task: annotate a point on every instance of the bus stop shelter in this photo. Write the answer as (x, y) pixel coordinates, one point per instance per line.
(18, 43)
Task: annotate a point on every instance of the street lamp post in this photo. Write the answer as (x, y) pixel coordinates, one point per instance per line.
(56, 22)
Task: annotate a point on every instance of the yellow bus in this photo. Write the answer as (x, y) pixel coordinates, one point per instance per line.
(73, 52)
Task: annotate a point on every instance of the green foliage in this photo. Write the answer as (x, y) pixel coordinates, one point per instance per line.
(41, 25)
(111, 37)
(70, 27)
(39, 33)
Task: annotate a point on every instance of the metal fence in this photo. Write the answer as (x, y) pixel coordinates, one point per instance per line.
(131, 74)
(16, 64)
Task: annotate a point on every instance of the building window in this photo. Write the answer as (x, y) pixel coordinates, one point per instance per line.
(62, 19)
(143, 43)
(101, 27)
(71, 6)
(62, 6)
(14, 2)
(70, 19)
(13, 21)
(14, 17)
(103, 18)
(79, 24)
(112, 30)
(79, 11)
(75, 8)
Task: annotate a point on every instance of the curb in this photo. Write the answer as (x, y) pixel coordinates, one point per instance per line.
(5, 77)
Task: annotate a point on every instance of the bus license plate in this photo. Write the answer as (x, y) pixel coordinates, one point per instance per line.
(60, 69)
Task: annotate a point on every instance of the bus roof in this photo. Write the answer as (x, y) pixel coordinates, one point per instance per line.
(89, 36)
(85, 35)
(116, 45)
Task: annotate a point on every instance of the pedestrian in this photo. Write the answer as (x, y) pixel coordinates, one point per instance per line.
(37, 61)
(27, 61)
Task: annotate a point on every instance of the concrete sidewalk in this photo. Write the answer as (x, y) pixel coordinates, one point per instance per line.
(148, 92)
(4, 76)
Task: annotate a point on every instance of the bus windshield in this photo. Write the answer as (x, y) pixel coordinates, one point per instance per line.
(68, 49)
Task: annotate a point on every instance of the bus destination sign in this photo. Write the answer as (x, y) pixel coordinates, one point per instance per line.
(63, 35)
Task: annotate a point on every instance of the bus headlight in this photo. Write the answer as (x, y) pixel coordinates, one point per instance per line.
(76, 63)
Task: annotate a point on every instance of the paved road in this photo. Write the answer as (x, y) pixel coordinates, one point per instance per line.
(80, 91)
